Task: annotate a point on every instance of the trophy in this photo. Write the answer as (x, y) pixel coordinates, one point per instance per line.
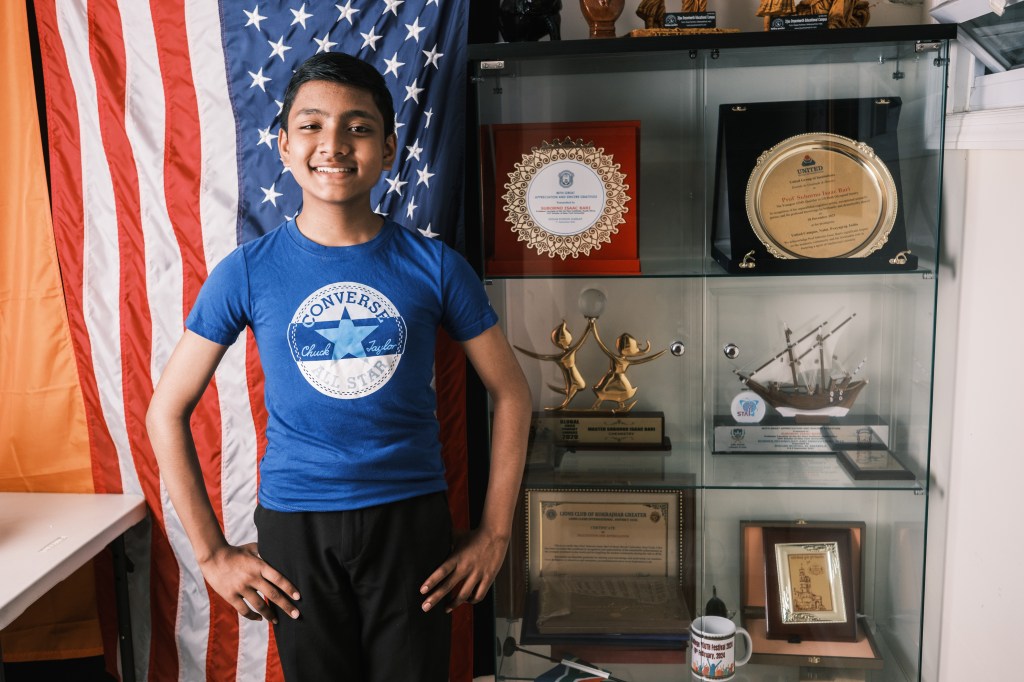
(600, 426)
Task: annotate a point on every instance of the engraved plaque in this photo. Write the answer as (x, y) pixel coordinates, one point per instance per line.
(821, 195)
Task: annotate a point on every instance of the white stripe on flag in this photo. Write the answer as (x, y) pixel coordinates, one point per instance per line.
(218, 198)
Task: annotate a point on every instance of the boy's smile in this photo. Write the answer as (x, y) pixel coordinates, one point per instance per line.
(334, 145)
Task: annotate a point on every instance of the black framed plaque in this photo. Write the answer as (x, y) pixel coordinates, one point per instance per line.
(809, 186)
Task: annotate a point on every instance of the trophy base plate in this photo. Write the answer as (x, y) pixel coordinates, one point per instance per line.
(779, 436)
(603, 430)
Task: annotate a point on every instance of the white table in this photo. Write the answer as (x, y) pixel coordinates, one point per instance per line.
(45, 537)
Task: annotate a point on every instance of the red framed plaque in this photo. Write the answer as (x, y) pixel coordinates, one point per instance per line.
(561, 198)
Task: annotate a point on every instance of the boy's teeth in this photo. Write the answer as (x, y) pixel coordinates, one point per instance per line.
(331, 170)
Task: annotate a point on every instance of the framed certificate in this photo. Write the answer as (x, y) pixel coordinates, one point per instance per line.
(561, 198)
(578, 532)
(809, 583)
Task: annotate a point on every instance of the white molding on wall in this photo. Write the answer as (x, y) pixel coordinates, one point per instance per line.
(988, 129)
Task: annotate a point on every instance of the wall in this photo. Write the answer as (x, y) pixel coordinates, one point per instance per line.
(973, 595)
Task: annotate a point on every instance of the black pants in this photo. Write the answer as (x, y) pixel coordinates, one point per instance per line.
(359, 574)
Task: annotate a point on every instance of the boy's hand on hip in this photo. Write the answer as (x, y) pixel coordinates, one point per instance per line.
(467, 573)
(248, 583)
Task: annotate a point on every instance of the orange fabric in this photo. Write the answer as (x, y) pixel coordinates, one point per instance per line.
(44, 444)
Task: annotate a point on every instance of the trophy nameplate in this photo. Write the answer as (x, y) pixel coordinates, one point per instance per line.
(821, 195)
(775, 436)
(584, 428)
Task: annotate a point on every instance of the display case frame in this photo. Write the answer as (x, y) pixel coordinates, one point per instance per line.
(692, 302)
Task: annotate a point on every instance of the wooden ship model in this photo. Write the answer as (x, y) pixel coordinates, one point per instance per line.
(817, 392)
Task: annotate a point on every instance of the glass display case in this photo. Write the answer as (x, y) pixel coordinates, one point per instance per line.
(715, 256)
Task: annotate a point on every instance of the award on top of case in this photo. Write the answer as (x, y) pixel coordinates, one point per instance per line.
(809, 186)
(561, 198)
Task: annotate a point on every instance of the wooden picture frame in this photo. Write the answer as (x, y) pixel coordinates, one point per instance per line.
(578, 531)
(809, 581)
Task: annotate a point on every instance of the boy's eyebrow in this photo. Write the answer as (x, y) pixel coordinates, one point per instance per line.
(313, 111)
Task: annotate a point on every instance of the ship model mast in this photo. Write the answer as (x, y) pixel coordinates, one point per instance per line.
(829, 397)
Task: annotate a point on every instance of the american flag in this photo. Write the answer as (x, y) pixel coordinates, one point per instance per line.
(161, 121)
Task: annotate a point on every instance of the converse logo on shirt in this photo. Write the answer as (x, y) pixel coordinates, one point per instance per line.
(347, 339)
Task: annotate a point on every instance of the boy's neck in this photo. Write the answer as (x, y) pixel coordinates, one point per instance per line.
(339, 228)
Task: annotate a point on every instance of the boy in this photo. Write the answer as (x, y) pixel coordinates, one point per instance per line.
(353, 524)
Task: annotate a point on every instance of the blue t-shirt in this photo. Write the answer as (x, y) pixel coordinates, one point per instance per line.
(346, 338)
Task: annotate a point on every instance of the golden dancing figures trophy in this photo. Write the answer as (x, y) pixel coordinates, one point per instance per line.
(597, 427)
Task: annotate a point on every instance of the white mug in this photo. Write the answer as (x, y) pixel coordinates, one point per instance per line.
(713, 648)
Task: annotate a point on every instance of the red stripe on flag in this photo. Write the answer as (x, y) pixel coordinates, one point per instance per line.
(182, 176)
(450, 385)
(65, 153)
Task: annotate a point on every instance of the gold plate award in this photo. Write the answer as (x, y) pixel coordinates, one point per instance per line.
(820, 195)
(566, 198)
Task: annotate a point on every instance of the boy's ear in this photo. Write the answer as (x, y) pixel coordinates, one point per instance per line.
(282, 145)
(390, 147)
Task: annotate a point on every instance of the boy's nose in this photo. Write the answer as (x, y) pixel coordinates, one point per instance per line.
(335, 145)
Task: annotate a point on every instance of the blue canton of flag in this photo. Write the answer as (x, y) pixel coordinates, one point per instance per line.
(419, 46)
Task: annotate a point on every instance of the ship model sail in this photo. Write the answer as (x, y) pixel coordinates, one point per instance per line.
(814, 392)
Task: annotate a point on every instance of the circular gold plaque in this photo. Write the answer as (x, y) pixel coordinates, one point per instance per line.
(821, 195)
(566, 198)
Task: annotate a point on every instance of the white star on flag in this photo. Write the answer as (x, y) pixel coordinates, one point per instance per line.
(393, 65)
(259, 80)
(415, 149)
(412, 92)
(279, 48)
(425, 175)
(324, 45)
(266, 137)
(411, 208)
(301, 16)
(254, 17)
(370, 39)
(346, 12)
(432, 56)
(270, 194)
(428, 113)
(395, 185)
(429, 232)
(392, 6)
(414, 29)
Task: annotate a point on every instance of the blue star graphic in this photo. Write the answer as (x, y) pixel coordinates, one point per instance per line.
(348, 336)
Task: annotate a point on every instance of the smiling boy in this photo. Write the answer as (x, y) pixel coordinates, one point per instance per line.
(356, 559)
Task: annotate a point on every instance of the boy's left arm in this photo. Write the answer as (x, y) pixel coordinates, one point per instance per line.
(474, 562)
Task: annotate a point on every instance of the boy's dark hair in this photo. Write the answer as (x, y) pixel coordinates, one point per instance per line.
(338, 67)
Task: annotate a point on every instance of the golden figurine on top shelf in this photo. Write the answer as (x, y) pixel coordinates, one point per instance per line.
(691, 18)
(841, 13)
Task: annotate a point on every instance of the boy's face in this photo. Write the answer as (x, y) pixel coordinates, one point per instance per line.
(334, 144)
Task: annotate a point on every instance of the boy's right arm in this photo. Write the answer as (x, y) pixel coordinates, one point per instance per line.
(237, 574)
